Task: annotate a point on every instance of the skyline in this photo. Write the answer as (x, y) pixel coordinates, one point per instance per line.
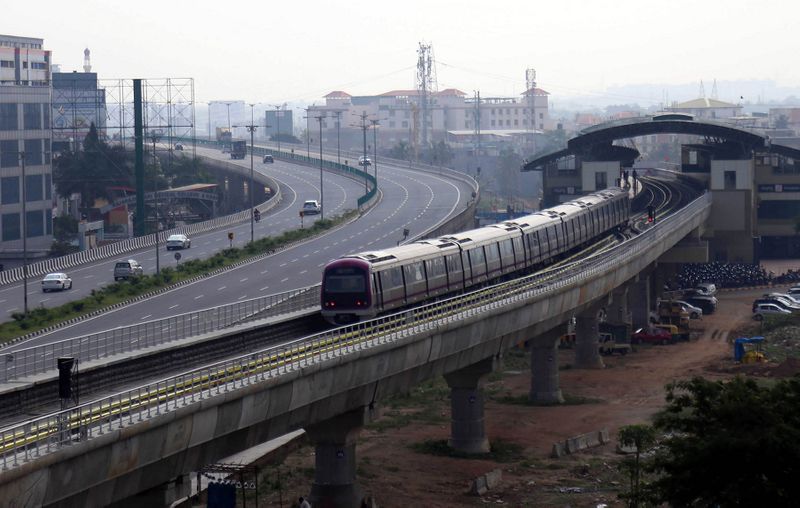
(233, 51)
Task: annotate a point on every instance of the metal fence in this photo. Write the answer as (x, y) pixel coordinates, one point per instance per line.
(34, 438)
(37, 359)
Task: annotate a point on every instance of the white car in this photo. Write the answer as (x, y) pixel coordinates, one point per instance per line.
(764, 309)
(311, 207)
(794, 299)
(364, 161)
(794, 290)
(178, 242)
(56, 281)
(706, 288)
(694, 311)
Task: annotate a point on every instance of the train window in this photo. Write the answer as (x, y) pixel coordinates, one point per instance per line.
(506, 250)
(345, 282)
(414, 273)
(435, 267)
(477, 259)
(392, 278)
(492, 254)
(454, 263)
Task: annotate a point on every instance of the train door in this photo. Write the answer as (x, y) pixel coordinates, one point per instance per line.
(455, 272)
(377, 290)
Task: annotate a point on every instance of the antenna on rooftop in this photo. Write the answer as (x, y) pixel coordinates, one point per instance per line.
(87, 63)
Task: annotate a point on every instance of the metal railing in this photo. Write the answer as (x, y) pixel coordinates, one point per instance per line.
(38, 359)
(34, 438)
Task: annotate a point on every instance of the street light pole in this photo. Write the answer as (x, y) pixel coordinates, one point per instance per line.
(155, 187)
(251, 129)
(338, 145)
(321, 192)
(24, 236)
(375, 149)
(229, 116)
(209, 121)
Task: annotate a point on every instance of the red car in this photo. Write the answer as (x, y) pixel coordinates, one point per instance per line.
(651, 336)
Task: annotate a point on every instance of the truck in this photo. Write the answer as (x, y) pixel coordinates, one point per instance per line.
(224, 138)
(238, 149)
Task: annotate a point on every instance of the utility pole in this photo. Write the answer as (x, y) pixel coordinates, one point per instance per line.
(338, 145)
(24, 237)
(154, 137)
(363, 126)
(477, 116)
(375, 149)
(209, 121)
(530, 84)
(321, 193)
(251, 129)
(308, 134)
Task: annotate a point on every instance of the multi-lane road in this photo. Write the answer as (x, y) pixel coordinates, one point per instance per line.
(410, 199)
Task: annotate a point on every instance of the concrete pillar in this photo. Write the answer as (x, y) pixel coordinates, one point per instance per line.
(335, 460)
(544, 369)
(160, 495)
(587, 330)
(467, 432)
(618, 312)
(639, 302)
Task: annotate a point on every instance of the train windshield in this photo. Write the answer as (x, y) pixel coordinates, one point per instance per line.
(345, 280)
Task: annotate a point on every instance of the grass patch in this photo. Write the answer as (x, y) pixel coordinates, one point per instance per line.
(41, 317)
(522, 400)
(422, 404)
(501, 451)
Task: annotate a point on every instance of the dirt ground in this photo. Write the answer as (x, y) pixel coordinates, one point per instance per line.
(399, 466)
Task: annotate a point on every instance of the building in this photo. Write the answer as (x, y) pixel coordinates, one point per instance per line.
(707, 109)
(77, 103)
(278, 121)
(452, 116)
(25, 153)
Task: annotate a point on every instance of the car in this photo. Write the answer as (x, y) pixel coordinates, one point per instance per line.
(761, 310)
(178, 147)
(127, 268)
(794, 299)
(178, 242)
(707, 303)
(311, 207)
(364, 161)
(268, 159)
(780, 302)
(794, 290)
(694, 311)
(56, 281)
(706, 288)
(652, 335)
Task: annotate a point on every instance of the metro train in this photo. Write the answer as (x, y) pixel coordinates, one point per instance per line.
(360, 286)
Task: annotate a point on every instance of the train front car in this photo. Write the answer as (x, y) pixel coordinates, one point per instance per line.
(346, 293)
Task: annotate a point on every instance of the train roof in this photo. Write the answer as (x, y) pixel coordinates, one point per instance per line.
(422, 250)
(479, 236)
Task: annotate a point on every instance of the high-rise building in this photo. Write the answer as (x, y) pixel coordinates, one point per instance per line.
(26, 193)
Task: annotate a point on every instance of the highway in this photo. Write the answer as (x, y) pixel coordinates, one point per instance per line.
(298, 183)
(410, 199)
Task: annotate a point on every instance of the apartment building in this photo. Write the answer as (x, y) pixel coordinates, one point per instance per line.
(25, 152)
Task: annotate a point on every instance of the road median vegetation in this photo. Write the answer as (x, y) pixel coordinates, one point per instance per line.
(115, 293)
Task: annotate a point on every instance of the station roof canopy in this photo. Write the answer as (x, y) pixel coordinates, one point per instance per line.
(603, 135)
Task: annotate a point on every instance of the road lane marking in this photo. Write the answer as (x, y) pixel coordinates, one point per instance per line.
(220, 289)
(145, 317)
(264, 288)
(304, 271)
(243, 280)
(242, 297)
(198, 297)
(284, 280)
(176, 305)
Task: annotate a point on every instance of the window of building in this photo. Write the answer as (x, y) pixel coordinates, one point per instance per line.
(391, 112)
(48, 222)
(541, 126)
(508, 123)
(9, 153)
(516, 122)
(524, 121)
(39, 65)
(34, 225)
(32, 116)
(391, 125)
(48, 186)
(405, 124)
(33, 152)
(24, 65)
(33, 188)
(508, 111)
(466, 125)
(46, 119)
(492, 110)
(730, 180)
(407, 114)
(8, 64)
(9, 190)
(492, 123)
(10, 227)
(47, 154)
(8, 117)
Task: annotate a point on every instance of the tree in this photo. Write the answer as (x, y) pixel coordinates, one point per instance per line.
(508, 172)
(439, 154)
(400, 151)
(91, 171)
(641, 438)
(782, 122)
(187, 170)
(732, 443)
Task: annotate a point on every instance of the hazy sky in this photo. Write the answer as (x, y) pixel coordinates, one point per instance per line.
(279, 50)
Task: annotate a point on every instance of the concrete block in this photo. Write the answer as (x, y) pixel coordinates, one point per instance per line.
(558, 450)
(493, 478)
(603, 436)
(478, 487)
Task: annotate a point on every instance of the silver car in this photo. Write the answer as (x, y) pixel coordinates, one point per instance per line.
(178, 242)
(127, 269)
(56, 282)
